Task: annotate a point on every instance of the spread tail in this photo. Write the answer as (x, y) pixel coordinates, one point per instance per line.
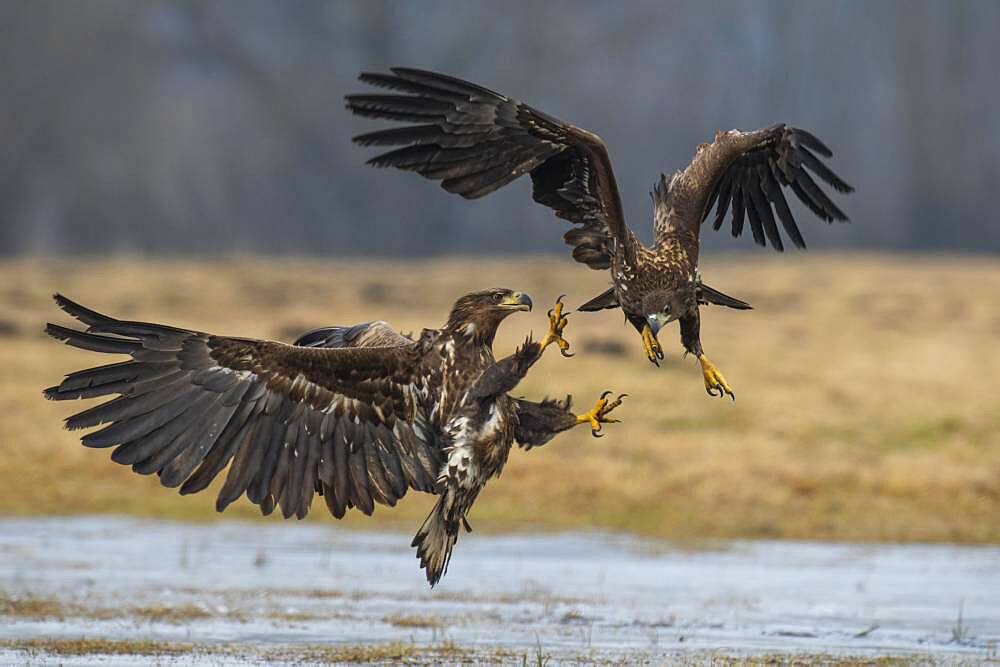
(436, 537)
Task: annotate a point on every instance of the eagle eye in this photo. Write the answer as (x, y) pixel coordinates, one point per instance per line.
(497, 297)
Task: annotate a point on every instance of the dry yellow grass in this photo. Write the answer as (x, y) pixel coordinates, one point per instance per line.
(412, 621)
(866, 408)
(51, 608)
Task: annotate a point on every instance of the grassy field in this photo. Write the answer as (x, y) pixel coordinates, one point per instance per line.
(866, 407)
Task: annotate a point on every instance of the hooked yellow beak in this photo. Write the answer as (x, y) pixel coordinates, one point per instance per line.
(517, 301)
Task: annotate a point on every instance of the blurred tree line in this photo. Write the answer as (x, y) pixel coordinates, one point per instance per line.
(166, 126)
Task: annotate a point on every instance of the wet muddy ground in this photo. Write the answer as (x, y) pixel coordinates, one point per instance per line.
(229, 592)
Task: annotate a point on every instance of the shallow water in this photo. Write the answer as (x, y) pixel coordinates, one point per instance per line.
(574, 595)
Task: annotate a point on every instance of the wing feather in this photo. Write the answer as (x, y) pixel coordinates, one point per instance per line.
(271, 443)
(361, 496)
(295, 457)
(222, 451)
(777, 197)
(739, 209)
(753, 215)
(763, 208)
(341, 473)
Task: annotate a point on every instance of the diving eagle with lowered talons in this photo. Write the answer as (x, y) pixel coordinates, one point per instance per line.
(475, 140)
(356, 414)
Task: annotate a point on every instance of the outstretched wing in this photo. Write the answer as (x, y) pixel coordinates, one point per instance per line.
(747, 172)
(287, 420)
(475, 141)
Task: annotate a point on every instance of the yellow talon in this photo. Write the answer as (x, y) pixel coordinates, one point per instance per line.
(651, 346)
(557, 322)
(714, 380)
(598, 414)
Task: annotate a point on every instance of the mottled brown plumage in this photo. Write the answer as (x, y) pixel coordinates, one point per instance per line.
(475, 140)
(357, 414)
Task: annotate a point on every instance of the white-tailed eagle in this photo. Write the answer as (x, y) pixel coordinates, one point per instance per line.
(357, 414)
(475, 140)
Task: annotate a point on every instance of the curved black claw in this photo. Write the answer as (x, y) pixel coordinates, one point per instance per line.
(722, 392)
(558, 301)
(714, 381)
(599, 413)
(557, 321)
(567, 354)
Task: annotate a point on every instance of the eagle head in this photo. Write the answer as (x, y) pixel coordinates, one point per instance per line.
(666, 305)
(478, 314)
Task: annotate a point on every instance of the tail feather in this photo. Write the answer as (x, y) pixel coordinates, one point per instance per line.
(715, 297)
(436, 538)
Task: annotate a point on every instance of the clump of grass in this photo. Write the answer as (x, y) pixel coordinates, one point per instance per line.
(33, 607)
(76, 647)
(959, 632)
(539, 659)
(51, 608)
(164, 614)
(404, 621)
(391, 653)
(802, 660)
(293, 616)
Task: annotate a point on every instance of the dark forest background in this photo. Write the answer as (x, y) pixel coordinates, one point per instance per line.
(216, 127)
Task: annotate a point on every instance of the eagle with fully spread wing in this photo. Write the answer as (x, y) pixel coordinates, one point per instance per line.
(475, 140)
(356, 414)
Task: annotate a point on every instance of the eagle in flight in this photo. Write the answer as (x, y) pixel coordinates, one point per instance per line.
(356, 414)
(475, 140)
